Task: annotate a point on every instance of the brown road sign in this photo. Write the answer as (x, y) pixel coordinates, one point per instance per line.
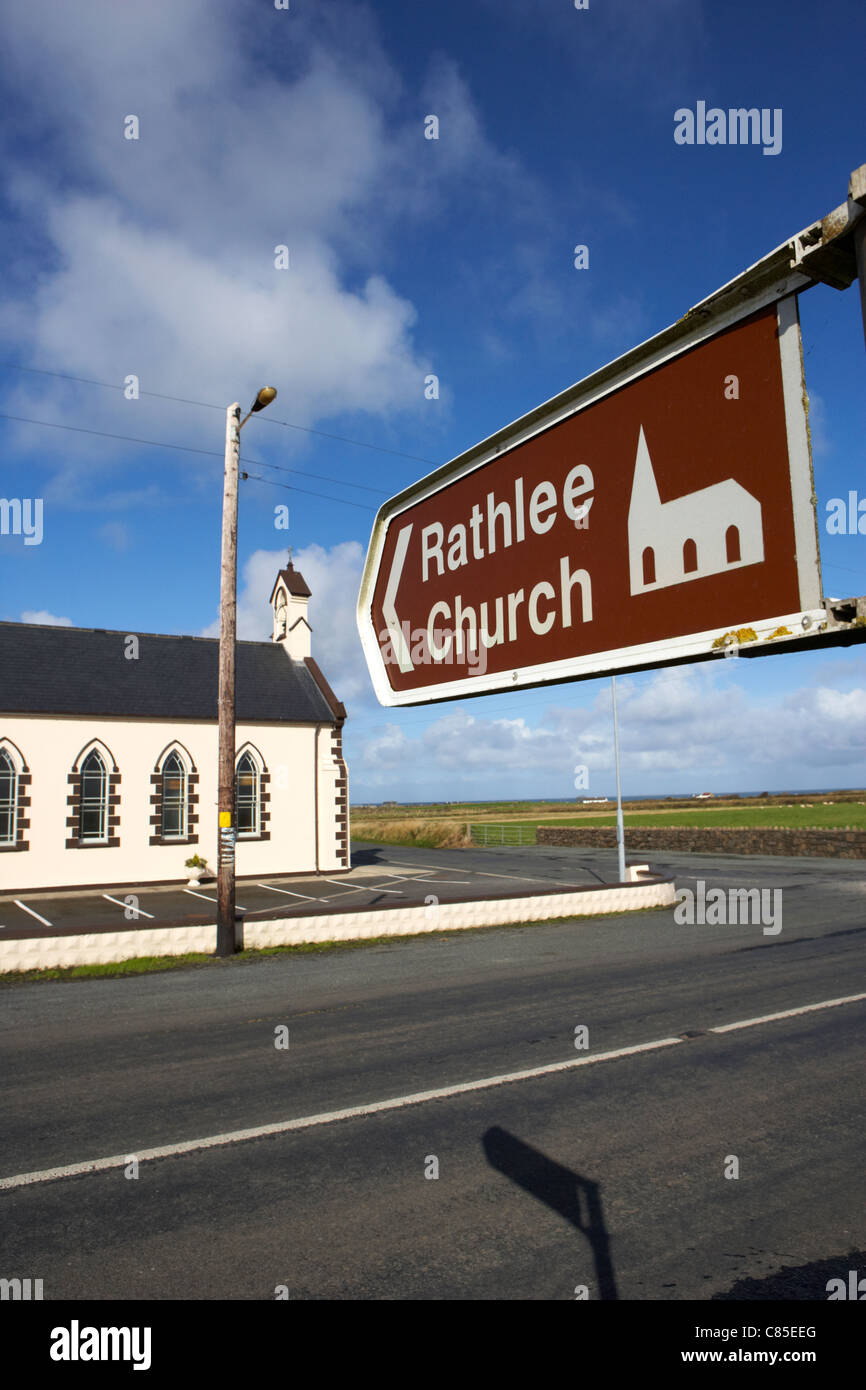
(639, 519)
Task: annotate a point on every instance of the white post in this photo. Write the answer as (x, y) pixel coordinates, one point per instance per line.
(620, 829)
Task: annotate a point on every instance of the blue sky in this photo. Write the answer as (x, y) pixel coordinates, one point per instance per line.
(261, 127)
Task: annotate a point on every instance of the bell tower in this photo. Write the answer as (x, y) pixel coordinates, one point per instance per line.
(289, 598)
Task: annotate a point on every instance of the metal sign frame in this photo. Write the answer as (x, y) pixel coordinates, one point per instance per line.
(653, 353)
(829, 251)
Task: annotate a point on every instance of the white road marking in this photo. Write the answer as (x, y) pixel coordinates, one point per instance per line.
(239, 1136)
(788, 1013)
(419, 879)
(139, 911)
(288, 892)
(44, 920)
(484, 873)
(328, 1117)
(194, 894)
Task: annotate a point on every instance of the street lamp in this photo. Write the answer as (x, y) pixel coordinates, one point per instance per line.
(227, 833)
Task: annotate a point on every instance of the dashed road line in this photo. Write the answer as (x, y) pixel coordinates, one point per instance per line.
(239, 1136)
(788, 1013)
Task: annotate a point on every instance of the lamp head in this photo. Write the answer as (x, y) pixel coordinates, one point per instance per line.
(265, 396)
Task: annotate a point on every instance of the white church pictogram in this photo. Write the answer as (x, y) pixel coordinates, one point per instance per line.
(710, 531)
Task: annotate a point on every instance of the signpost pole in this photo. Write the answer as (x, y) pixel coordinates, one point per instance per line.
(620, 829)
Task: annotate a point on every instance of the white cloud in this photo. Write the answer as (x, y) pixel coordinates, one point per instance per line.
(677, 727)
(334, 578)
(45, 619)
(116, 534)
(156, 256)
(819, 426)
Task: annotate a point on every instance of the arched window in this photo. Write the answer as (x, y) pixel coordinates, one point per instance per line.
(8, 798)
(732, 545)
(648, 560)
(690, 557)
(93, 811)
(174, 798)
(247, 797)
(93, 816)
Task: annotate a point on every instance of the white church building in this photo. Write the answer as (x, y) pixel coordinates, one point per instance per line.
(710, 531)
(108, 754)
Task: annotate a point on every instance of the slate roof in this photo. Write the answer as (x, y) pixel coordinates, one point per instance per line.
(294, 581)
(83, 671)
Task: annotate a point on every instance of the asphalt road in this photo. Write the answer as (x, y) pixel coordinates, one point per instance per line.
(609, 1175)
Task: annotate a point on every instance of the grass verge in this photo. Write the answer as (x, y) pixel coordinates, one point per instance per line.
(425, 834)
(151, 965)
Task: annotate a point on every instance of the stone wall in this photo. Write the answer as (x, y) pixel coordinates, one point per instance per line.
(825, 844)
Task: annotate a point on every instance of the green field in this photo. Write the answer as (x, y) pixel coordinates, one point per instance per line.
(445, 824)
(844, 816)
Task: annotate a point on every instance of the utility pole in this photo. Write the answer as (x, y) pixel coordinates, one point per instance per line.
(228, 642)
(226, 943)
(620, 830)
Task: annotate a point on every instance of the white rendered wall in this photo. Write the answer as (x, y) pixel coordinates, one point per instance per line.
(50, 746)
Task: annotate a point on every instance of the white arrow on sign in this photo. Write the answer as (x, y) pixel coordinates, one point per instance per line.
(389, 612)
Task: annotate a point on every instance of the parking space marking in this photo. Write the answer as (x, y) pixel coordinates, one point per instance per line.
(139, 911)
(44, 920)
(194, 894)
(418, 879)
(288, 892)
(485, 873)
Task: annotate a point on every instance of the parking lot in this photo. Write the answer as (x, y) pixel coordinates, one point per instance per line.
(380, 877)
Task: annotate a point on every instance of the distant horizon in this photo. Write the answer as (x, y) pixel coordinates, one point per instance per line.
(638, 796)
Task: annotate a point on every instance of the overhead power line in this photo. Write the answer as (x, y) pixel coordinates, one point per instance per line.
(209, 405)
(289, 487)
(207, 453)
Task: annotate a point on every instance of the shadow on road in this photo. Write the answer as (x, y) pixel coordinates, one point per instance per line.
(805, 1282)
(369, 854)
(571, 1196)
